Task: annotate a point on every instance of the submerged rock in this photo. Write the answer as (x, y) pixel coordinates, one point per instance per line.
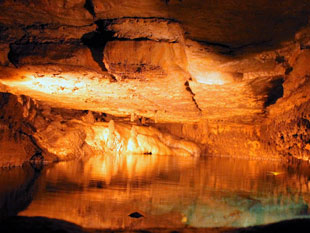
(135, 215)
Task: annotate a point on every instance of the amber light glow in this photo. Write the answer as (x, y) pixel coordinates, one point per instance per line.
(63, 84)
(100, 192)
(210, 78)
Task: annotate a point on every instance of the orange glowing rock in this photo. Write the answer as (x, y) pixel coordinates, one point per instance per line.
(66, 140)
(275, 173)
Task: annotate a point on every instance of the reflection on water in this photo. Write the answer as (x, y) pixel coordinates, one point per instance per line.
(170, 192)
(16, 189)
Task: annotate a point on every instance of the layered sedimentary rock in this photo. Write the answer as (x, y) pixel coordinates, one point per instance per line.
(36, 132)
(231, 77)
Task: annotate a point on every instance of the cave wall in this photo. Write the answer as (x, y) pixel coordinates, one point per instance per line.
(287, 127)
(282, 133)
(32, 131)
(230, 78)
(176, 61)
(17, 145)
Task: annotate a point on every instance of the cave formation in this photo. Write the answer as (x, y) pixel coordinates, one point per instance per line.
(190, 78)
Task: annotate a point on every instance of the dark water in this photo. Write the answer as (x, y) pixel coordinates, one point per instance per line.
(102, 191)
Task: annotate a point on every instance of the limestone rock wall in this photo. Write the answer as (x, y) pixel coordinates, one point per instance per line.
(283, 132)
(16, 141)
(230, 76)
(288, 125)
(173, 61)
(35, 132)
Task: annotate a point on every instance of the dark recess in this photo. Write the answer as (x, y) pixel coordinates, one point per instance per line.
(96, 42)
(275, 92)
(4, 99)
(90, 7)
(13, 56)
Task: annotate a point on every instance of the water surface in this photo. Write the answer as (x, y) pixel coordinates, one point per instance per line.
(100, 192)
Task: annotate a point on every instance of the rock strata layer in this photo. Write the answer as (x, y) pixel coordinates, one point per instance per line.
(232, 77)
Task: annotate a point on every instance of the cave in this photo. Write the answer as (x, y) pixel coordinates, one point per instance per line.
(154, 116)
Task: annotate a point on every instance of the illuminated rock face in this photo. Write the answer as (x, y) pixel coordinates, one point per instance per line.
(75, 138)
(226, 76)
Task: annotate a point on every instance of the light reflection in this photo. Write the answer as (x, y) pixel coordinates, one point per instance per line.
(275, 173)
(100, 192)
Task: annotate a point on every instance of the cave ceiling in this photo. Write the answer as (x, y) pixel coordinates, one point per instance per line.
(167, 60)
